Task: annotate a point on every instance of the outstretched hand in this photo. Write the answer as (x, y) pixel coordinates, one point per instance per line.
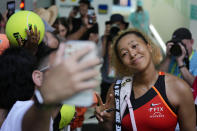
(101, 114)
(33, 37)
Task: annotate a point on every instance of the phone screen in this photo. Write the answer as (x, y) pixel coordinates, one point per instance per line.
(10, 8)
(91, 13)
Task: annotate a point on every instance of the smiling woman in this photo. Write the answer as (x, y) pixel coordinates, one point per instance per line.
(122, 69)
(144, 98)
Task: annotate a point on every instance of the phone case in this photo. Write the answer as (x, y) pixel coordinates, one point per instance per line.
(84, 98)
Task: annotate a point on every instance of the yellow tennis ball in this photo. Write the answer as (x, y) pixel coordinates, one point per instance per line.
(67, 113)
(19, 21)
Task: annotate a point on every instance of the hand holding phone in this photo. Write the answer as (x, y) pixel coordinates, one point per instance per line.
(91, 14)
(84, 98)
(10, 8)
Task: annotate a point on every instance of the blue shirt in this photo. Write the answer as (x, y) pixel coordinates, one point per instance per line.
(173, 68)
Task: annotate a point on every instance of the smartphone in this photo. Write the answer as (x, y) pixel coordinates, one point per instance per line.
(91, 14)
(84, 98)
(10, 8)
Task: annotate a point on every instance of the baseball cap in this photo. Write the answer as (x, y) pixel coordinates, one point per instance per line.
(116, 18)
(4, 43)
(182, 33)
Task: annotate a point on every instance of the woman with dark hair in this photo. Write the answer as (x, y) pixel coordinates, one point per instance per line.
(62, 28)
(145, 99)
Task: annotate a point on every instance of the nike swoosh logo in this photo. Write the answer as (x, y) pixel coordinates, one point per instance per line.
(154, 104)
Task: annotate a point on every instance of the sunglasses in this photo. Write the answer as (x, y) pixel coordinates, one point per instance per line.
(44, 68)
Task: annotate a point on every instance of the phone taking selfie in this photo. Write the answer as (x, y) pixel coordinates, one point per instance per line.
(91, 14)
(84, 98)
(10, 8)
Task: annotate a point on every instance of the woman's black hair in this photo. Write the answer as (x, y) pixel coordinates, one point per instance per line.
(124, 34)
(63, 21)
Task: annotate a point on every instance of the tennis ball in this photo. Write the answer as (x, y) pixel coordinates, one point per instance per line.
(67, 113)
(19, 21)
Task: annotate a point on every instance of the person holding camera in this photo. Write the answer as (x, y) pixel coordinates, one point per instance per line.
(181, 59)
(85, 25)
(113, 26)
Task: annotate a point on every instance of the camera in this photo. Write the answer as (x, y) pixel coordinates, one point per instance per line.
(175, 50)
(113, 31)
(91, 14)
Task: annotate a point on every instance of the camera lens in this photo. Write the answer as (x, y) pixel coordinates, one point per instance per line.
(113, 31)
(176, 50)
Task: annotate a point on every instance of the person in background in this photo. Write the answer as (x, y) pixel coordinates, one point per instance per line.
(181, 61)
(80, 27)
(62, 28)
(113, 26)
(140, 18)
(144, 98)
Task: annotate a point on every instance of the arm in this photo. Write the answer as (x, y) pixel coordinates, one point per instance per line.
(187, 76)
(77, 34)
(65, 78)
(38, 117)
(180, 96)
(165, 64)
(186, 111)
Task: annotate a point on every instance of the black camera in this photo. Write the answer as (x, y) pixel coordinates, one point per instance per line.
(175, 50)
(113, 31)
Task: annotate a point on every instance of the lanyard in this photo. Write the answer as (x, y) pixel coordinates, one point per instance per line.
(175, 65)
(117, 103)
(131, 114)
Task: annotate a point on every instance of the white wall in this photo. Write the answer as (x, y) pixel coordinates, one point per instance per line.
(66, 6)
(193, 26)
(168, 15)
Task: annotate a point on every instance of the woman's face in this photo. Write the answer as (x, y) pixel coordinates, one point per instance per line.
(134, 52)
(62, 30)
